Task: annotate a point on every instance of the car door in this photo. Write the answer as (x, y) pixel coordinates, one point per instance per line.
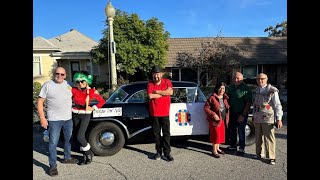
(187, 116)
(137, 112)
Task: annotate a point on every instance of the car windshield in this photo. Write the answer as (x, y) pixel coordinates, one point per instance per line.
(187, 95)
(118, 96)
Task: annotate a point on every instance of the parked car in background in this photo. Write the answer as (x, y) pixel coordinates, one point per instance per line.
(126, 115)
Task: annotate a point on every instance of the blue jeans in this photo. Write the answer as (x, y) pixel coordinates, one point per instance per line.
(236, 128)
(54, 134)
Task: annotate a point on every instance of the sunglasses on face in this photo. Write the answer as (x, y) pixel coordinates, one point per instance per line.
(61, 74)
(80, 81)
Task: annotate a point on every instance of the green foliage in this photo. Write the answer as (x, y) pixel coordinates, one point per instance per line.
(106, 94)
(139, 44)
(280, 30)
(36, 90)
(167, 75)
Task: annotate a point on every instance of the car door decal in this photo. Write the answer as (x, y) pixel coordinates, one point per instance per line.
(182, 117)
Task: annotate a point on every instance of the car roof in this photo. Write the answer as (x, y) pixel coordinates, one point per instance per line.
(140, 85)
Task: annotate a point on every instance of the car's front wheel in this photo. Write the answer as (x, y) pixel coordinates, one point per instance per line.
(106, 139)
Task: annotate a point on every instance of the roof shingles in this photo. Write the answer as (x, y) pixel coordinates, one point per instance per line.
(74, 41)
(255, 50)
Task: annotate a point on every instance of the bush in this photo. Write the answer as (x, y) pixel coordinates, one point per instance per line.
(36, 90)
(105, 92)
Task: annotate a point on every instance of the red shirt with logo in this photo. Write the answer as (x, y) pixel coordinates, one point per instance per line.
(159, 106)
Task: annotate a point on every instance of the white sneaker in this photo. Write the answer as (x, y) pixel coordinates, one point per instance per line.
(272, 161)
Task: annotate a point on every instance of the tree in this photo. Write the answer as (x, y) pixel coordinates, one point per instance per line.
(139, 44)
(279, 31)
(215, 58)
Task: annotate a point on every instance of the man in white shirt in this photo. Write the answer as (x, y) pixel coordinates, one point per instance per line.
(267, 114)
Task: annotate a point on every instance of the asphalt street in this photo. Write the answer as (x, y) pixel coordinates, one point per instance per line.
(192, 161)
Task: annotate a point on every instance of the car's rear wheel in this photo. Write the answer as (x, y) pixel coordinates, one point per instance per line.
(106, 139)
(250, 132)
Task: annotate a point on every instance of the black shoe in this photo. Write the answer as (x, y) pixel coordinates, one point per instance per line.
(221, 152)
(215, 155)
(53, 171)
(89, 157)
(257, 156)
(84, 159)
(157, 156)
(169, 157)
(70, 161)
(241, 152)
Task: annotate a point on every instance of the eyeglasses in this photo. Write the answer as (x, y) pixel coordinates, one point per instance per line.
(80, 81)
(61, 74)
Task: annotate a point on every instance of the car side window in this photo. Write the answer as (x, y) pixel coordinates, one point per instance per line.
(182, 95)
(200, 97)
(139, 97)
(187, 95)
(190, 94)
(118, 96)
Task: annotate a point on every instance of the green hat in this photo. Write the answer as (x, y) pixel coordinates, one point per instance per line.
(79, 76)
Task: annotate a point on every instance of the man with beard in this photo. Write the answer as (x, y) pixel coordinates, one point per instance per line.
(159, 91)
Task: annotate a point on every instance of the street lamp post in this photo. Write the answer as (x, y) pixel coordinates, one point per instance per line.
(110, 12)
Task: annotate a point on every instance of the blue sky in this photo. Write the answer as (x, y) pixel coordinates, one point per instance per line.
(181, 18)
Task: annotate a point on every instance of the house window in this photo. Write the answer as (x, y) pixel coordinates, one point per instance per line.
(95, 69)
(175, 74)
(189, 75)
(36, 66)
(249, 71)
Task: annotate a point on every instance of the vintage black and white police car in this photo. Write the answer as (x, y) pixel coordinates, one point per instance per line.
(125, 115)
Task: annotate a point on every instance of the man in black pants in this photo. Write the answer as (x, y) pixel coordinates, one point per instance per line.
(159, 91)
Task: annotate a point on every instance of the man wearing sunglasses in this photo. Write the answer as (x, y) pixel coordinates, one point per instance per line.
(82, 95)
(57, 93)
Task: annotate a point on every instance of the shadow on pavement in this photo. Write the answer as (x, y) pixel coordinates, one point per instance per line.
(42, 147)
(39, 164)
(149, 154)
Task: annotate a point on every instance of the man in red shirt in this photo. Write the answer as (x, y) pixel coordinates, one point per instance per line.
(159, 91)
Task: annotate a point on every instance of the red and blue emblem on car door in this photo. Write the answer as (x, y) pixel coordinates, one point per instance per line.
(183, 117)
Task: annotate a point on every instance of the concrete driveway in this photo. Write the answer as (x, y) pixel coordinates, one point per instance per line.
(192, 161)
